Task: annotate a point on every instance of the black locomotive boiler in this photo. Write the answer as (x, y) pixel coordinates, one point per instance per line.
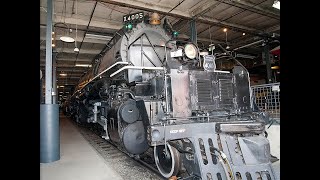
(147, 90)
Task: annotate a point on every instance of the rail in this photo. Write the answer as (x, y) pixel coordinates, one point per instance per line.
(267, 98)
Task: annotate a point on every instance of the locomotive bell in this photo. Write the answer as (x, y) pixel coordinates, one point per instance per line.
(154, 19)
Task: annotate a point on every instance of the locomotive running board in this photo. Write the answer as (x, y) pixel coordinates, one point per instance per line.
(247, 156)
(112, 66)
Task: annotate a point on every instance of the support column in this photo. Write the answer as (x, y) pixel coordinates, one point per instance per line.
(268, 62)
(49, 112)
(193, 31)
(41, 96)
(54, 79)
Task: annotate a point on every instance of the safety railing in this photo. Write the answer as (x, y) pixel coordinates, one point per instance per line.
(267, 98)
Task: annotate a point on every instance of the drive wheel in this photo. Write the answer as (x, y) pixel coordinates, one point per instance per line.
(168, 163)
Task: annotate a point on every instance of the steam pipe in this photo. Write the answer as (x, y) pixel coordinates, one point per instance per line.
(136, 67)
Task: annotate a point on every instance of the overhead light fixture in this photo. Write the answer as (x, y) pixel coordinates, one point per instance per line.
(76, 49)
(60, 86)
(63, 74)
(276, 4)
(83, 65)
(275, 67)
(66, 37)
(243, 34)
(98, 37)
(225, 30)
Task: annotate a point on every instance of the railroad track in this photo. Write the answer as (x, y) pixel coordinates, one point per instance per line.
(129, 168)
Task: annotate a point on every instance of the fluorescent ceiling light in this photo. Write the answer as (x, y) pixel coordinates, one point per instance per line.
(63, 74)
(276, 4)
(83, 65)
(98, 37)
(245, 56)
(60, 86)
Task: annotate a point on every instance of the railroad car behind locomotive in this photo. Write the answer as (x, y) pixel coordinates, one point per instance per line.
(146, 90)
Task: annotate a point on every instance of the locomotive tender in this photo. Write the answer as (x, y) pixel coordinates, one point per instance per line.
(147, 91)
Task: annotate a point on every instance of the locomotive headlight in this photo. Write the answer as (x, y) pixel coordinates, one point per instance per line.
(191, 51)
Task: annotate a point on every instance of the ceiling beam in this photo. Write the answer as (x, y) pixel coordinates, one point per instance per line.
(203, 8)
(70, 77)
(83, 21)
(81, 29)
(148, 7)
(183, 36)
(232, 26)
(82, 60)
(71, 66)
(253, 8)
(181, 14)
(179, 24)
(79, 39)
(72, 83)
(274, 28)
(73, 74)
(70, 50)
(66, 69)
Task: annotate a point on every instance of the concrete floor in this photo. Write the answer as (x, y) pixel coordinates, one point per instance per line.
(79, 161)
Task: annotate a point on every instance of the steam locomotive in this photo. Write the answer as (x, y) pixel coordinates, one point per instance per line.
(148, 90)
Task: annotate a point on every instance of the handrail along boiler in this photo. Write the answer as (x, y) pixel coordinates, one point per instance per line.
(147, 90)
